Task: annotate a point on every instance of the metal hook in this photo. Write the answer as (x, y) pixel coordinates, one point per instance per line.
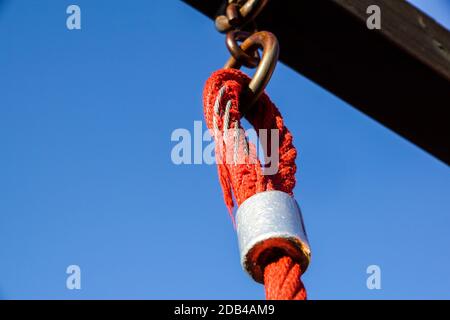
(269, 44)
(248, 60)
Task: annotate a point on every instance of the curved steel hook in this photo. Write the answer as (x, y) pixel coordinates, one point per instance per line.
(269, 44)
(247, 59)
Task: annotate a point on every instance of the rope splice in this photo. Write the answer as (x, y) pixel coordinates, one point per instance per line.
(274, 246)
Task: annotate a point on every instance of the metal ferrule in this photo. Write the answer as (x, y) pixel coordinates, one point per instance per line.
(270, 223)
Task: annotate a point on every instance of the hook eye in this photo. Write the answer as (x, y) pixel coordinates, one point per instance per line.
(248, 60)
(269, 44)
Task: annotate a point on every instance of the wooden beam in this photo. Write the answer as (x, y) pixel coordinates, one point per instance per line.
(399, 75)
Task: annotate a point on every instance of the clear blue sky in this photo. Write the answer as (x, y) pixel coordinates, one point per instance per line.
(86, 176)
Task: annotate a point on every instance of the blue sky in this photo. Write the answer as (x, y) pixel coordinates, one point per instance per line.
(86, 176)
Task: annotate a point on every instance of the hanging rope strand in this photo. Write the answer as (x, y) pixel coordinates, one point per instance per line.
(282, 280)
(243, 177)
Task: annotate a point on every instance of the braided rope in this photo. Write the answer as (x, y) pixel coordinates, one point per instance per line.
(239, 170)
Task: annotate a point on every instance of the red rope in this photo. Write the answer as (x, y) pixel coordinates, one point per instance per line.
(282, 280)
(243, 178)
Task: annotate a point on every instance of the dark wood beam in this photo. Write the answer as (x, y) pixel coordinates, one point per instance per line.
(399, 75)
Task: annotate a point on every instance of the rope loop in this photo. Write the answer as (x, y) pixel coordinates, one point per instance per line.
(241, 173)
